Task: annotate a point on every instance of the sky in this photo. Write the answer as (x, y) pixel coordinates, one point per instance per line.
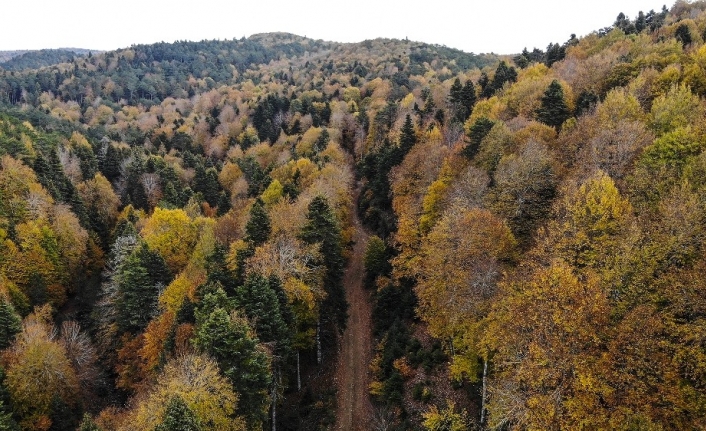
(499, 26)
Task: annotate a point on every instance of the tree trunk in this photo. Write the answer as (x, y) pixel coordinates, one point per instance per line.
(485, 391)
(318, 341)
(274, 403)
(299, 374)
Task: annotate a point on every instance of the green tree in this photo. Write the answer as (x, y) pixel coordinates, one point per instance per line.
(258, 228)
(475, 133)
(553, 111)
(407, 138)
(261, 305)
(10, 323)
(322, 228)
(88, 424)
(179, 417)
(137, 294)
(228, 338)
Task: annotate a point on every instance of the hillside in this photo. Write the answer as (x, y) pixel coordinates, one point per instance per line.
(206, 235)
(21, 60)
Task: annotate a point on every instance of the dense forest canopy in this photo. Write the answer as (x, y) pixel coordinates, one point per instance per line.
(176, 220)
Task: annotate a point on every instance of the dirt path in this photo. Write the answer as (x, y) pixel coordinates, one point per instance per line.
(353, 375)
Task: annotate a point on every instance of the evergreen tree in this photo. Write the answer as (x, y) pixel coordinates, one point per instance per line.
(6, 421)
(553, 111)
(468, 101)
(683, 35)
(223, 203)
(10, 323)
(206, 183)
(503, 74)
(88, 424)
(484, 83)
(408, 138)
(258, 228)
(179, 417)
(230, 341)
(111, 165)
(321, 228)
(137, 295)
(585, 103)
(476, 133)
(260, 303)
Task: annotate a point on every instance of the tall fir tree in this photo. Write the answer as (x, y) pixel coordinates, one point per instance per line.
(179, 417)
(10, 323)
(228, 338)
(553, 111)
(322, 228)
(258, 228)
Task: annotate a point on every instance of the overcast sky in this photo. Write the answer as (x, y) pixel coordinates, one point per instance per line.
(499, 26)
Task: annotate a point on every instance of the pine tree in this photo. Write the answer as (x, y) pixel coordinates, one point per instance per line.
(137, 296)
(408, 138)
(321, 228)
(260, 303)
(455, 92)
(476, 133)
(258, 228)
(179, 417)
(6, 422)
(468, 101)
(10, 323)
(230, 341)
(88, 424)
(553, 111)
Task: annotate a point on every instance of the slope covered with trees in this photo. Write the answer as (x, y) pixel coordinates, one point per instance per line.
(175, 220)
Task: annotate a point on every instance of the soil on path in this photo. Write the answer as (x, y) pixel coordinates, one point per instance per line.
(353, 375)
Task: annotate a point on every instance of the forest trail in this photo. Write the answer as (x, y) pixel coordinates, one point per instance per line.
(353, 375)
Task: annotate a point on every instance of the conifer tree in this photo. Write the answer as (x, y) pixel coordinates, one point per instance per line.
(553, 111)
(408, 137)
(87, 424)
(321, 228)
(10, 323)
(476, 133)
(258, 228)
(229, 340)
(261, 306)
(179, 417)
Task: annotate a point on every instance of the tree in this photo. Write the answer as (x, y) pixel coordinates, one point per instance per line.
(546, 335)
(258, 228)
(683, 34)
(554, 110)
(137, 296)
(179, 417)
(524, 188)
(322, 228)
(475, 133)
(445, 420)
(39, 371)
(408, 137)
(461, 261)
(262, 307)
(173, 235)
(10, 323)
(88, 424)
(207, 395)
(227, 337)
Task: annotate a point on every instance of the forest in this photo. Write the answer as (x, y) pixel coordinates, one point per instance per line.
(181, 225)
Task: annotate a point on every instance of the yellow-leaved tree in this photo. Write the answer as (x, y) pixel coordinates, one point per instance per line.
(197, 381)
